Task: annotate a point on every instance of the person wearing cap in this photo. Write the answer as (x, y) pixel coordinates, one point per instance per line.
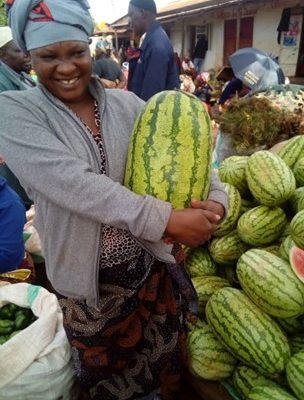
(13, 62)
(108, 70)
(155, 69)
(119, 285)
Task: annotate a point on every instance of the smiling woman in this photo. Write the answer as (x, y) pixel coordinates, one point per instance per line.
(123, 293)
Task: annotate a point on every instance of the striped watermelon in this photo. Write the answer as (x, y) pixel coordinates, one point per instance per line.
(232, 171)
(200, 263)
(285, 247)
(269, 393)
(234, 208)
(271, 284)
(250, 334)
(227, 249)
(245, 378)
(292, 325)
(261, 225)
(297, 229)
(205, 286)
(208, 358)
(295, 374)
(292, 151)
(298, 171)
(297, 343)
(296, 202)
(170, 151)
(269, 179)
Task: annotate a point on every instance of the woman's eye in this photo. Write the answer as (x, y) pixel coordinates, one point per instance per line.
(80, 53)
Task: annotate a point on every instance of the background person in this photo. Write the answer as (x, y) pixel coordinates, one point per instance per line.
(155, 69)
(12, 220)
(108, 70)
(122, 292)
(199, 53)
(13, 64)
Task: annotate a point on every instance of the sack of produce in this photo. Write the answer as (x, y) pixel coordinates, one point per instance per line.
(35, 356)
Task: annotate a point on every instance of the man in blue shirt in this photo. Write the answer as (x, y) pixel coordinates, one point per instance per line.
(155, 69)
(12, 220)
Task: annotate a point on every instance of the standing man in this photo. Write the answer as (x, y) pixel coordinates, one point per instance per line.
(13, 63)
(155, 68)
(199, 54)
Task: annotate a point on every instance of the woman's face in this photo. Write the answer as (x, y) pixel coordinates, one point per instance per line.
(65, 69)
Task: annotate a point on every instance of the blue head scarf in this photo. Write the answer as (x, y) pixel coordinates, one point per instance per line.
(37, 23)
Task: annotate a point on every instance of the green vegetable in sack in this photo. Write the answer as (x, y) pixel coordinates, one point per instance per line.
(6, 326)
(22, 318)
(8, 311)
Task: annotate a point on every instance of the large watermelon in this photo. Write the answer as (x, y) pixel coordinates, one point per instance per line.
(299, 171)
(234, 208)
(170, 151)
(227, 249)
(200, 263)
(208, 357)
(249, 333)
(261, 225)
(295, 374)
(245, 378)
(271, 284)
(267, 392)
(269, 179)
(297, 229)
(232, 171)
(292, 150)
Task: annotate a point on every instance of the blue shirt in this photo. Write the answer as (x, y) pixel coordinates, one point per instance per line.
(155, 70)
(12, 220)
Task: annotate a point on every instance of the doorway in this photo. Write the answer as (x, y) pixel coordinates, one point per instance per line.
(238, 33)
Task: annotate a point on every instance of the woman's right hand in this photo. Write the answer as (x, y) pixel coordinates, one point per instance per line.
(190, 226)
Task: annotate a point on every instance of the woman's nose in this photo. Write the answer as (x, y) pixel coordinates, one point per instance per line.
(65, 67)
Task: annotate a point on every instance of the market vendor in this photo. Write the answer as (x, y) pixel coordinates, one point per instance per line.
(12, 220)
(123, 294)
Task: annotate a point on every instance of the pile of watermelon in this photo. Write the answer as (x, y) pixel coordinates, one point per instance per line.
(250, 279)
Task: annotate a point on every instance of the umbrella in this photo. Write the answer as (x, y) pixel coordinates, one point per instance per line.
(255, 68)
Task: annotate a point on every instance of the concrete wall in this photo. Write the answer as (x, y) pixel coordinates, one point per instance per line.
(266, 20)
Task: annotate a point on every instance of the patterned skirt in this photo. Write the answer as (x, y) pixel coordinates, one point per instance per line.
(134, 346)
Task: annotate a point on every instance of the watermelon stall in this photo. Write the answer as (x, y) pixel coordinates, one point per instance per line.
(250, 333)
(247, 341)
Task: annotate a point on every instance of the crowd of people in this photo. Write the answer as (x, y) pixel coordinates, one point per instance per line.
(122, 285)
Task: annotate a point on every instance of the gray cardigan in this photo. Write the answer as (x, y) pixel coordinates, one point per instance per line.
(58, 164)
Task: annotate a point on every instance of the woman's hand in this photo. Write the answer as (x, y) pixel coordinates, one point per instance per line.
(211, 206)
(191, 226)
(2, 162)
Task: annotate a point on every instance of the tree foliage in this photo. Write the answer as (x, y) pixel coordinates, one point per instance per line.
(3, 19)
